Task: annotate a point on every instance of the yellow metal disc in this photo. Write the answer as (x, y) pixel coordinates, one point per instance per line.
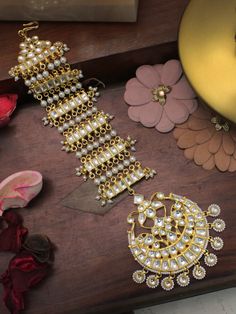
(207, 51)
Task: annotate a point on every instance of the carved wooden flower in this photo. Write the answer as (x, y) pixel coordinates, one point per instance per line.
(160, 96)
(209, 140)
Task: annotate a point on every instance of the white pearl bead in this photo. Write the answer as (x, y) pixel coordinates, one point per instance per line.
(78, 155)
(101, 140)
(27, 83)
(89, 113)
(23, 52)
(43, 103)
(61, 95)
(84, 151)
(50, 66)
(52, 48)
(63, 60)
(65, 126)
(50, 100)
(35, 60)
(114, 170)
(94, 109)
(39, 77)
(120, 167)
(109, 174)
(107, 137)
(57, 63)
(33, 79)
(95, 144)
(113, 132)
(60, 129)
(89, 147)
(35, 38)
(103, 178)
(38, 50)
(132, 159)
(45, 73)
(71, 122)
(55, 97)
(22, 45)
(21, 59)
(83, 116)
(97, 181)
(73, 88)
(67, 91)
(29, 63)
(48, 43)
(126, 162)
(78, 85)
(30, 55)
(77, 119)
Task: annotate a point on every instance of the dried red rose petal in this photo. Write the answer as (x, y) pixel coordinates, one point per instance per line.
(7, 106)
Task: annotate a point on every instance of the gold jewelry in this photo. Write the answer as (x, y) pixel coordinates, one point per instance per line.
(172, 244)
(105, 157)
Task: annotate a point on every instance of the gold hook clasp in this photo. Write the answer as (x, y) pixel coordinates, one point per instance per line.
(28, 27)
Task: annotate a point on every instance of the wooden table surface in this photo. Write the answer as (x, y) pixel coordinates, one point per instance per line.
(93, 265)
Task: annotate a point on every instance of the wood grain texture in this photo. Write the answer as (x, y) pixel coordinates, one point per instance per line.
(157, 24)
(93, 266)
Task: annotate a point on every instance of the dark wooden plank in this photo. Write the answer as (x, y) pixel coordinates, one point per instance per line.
(157, 24)
(93, 266)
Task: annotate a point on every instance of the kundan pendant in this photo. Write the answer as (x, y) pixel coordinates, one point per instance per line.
(171, 244)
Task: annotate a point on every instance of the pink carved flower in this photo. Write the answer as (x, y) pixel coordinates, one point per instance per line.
(7, 106)
(160, 96)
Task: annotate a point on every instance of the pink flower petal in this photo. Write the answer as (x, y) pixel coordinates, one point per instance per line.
(165, 125)
(171, 72)
(150, 114)
(158, 68)
(133, 113)
(176, 110)
(182, 90)
(148, 76)
(136, 96)
(190, 104)
(133, 82)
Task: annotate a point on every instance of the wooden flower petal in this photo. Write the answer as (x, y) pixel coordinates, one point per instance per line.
(201, 154)
(150, 114)
(136, 96)
(171, 72)
(178, 132)
(189, 152)
(215, 142)
(228, 144)
(222, 160)
(187, 139)
(232, 132)
(202, 113)
(182, 125)
(133, 82)
(176, 110)
(232, 165)
(204, 135)
(197, 124)
(182, 89)
(158, 68)
(190, 104)
(209, 164)
(165, 125)
(148, 76)
(133, 113)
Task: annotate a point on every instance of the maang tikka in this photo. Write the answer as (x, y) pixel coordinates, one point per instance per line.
(170, 243)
